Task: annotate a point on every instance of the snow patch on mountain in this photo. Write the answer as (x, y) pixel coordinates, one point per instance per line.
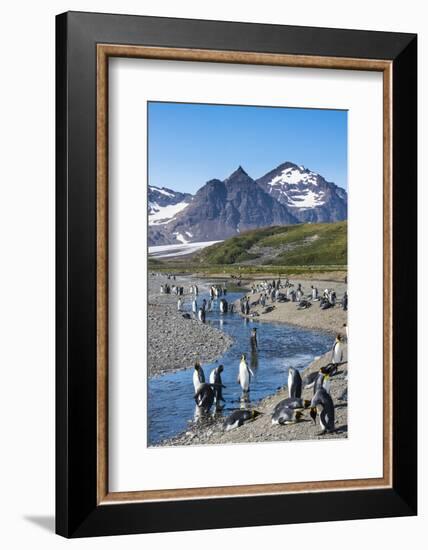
(161, 215)
(294, 176)
(309, 199)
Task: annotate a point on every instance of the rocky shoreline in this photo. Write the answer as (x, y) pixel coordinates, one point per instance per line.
(211, 430)
(175, 343)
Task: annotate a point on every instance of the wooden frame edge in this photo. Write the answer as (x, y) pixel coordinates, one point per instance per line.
(103, 52)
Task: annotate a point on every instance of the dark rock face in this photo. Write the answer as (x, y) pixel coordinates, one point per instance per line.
(221, 209)
(307, 195)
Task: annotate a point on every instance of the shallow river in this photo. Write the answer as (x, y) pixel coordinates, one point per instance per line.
(171, 407)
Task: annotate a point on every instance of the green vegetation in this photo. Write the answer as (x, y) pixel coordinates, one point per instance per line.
(285, 250)
(294, 245)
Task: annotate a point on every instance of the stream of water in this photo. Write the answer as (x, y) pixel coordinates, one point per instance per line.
(171, 407)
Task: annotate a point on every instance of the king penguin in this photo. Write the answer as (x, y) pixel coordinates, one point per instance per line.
(285, 415)
(338, 350)
(215, 379)
(245, 374)
(204, 397)
(198, 376)
(237, 418)
(294, 383)
(324, 400)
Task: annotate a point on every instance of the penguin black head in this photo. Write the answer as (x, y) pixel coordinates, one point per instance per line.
(313, 414)
(220, 368)
(243, 356)
(197, 365)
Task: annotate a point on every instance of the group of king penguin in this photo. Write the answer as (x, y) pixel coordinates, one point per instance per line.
(287, 411)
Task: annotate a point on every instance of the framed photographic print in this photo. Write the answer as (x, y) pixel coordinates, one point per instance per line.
(236, 254)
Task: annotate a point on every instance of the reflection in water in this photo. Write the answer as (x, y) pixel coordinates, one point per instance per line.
(280, 346)
(254, 361)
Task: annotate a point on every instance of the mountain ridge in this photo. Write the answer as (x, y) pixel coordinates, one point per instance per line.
(287, 195)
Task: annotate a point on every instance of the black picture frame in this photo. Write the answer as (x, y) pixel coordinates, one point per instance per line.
(77, 511)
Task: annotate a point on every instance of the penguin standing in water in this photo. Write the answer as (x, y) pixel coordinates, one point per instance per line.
(204, 397)
(194, 306)
(215, 379)
(223, 306)
(238, 418)
(244, 375)
(337, 352)
(294, 383)
(201, 315)
(324, 400)
(253, 341)
(198, 376)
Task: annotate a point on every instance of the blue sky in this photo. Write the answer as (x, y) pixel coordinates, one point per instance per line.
(190, 143)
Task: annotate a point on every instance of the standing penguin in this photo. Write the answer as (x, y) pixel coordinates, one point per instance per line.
(179, 304)
(194, 306)
(345, 326)
(223, 306)
(323, 399)
(322, 381)
(215, 378)
(253, 340)
(201, 315)
(337, 352)
(198, 376)
(314, 292)
(244, 375)
(247, 307)
(294, 383)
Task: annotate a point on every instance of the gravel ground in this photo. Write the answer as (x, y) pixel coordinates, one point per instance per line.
(211, 431)
(174, 342)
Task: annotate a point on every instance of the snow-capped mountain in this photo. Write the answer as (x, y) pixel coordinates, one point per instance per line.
(164, 204)
(288, 194)
(307, 194)
(222, 209)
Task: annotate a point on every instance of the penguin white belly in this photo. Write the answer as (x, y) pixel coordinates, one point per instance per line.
(338, 353)
(290, 384)
(196, 382)
(322, 420)
(212, 377)
(232, 426)
(244, 377)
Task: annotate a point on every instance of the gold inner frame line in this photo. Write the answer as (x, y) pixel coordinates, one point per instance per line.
(104, 51)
